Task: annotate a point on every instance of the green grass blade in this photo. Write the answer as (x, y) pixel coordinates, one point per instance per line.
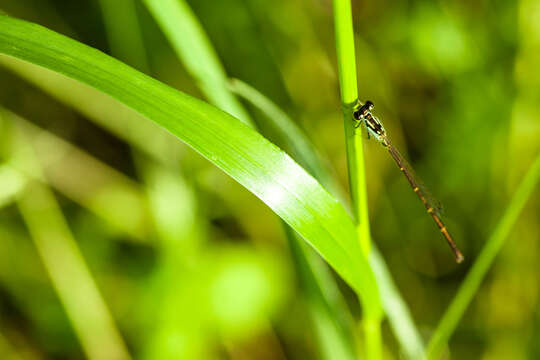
(294, 137)
(398, 314)
(474, 278)
(396, 310)
(234, 147)
(345, 51)
(355, 159)
(331, 317)
(123, 32)
(71, 278)
(146, 136)
(82, 98)
(107, 193)
(173, 207)
(193, 47)
(165, 13)
(333, 345)
(349, 95)
(65, 265)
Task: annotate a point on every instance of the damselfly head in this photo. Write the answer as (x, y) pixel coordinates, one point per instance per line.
(363, 114)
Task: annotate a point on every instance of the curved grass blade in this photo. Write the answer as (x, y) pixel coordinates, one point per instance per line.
(82, 98)
(474, 278)
(169, 13)
(234, 147)
(396, 309)
(165, 13)
(146, 136)
(398, 314)
(295, 138)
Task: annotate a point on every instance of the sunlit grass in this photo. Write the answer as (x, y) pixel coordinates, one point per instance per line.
(212, 82)
(203, 294)
(394, 306)
(236, 151)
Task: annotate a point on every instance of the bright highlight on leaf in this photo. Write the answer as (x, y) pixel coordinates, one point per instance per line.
(235, 148)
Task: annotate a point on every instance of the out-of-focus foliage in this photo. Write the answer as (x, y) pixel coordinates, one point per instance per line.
(190, 264)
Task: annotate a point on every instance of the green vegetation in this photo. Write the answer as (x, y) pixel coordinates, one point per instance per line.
(119, 240)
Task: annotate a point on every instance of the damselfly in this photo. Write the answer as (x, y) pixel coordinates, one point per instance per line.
(362, 113)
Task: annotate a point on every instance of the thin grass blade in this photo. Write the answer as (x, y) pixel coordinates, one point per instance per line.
(193, 47)
(70, 276)
(106, 192)
(474, 278)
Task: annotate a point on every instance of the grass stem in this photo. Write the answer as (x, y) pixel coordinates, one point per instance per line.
(355, 157)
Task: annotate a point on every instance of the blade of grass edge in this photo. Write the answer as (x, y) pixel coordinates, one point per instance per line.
(474, 278)
(397, 311)
(239, 151)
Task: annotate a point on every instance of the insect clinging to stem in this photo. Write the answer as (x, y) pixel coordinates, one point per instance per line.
(375, 128)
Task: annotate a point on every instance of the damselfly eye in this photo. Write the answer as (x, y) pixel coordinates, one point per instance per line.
(357, 114)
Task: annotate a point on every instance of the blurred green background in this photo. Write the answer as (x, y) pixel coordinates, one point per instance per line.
(188, 263)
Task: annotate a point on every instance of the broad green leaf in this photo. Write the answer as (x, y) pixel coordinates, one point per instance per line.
(231, 145)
